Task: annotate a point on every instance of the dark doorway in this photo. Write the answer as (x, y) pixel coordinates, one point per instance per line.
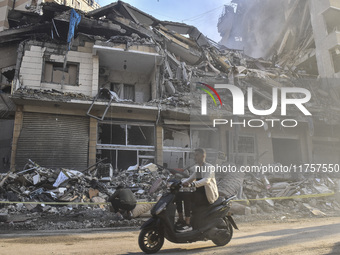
(286, 151)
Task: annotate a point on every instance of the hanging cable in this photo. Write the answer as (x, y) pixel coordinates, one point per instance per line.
(202, 14)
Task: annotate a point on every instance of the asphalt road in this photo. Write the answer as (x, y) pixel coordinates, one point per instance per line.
(312, 236)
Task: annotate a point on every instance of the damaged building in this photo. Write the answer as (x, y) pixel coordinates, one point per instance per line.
(302, 38)
(117, 58)
(15, 14)
(126, 88)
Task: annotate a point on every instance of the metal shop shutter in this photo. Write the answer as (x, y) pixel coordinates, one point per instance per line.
(53, 141)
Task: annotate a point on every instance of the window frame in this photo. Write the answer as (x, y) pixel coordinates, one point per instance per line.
(232, 154)
(60, 65)
(128, 147)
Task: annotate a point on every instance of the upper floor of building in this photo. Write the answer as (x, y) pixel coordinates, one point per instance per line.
(10, 9)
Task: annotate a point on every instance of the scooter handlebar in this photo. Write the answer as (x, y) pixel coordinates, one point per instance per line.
(173, 171)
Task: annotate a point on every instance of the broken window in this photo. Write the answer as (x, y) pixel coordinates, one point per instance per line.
(126, 144)
(112, 134)
(122, 159)
(54, 72)
(146, 157)
(126, 134)
(126, 158)
(176, 147)
(140, 135)
(7, 76)
(179, 138)
(246, 144)
(242, 150)
(124, 91)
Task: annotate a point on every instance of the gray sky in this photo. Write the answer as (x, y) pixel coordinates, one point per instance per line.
(202, 14)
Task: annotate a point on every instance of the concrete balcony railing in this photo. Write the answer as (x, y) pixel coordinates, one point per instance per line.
(334, 3)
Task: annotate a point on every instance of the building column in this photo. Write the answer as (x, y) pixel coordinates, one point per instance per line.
(95, 76)
(18, 121)
(159, 145)
(93, 130)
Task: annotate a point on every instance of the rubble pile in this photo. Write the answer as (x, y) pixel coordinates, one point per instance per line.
(315, 195)
(39, 184)
(45, 188)
(65, 193)
(147, 184)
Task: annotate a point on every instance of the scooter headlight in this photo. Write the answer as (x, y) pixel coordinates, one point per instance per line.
(161, 208)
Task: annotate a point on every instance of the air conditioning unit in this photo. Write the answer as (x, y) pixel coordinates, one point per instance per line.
(104, 172)
(104, 72)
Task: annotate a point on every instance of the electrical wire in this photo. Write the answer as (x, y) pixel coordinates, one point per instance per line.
(202, 14)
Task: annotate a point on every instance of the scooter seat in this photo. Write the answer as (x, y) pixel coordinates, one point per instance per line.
(201, 209)
(219, 201)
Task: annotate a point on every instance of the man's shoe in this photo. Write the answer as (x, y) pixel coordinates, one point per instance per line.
(184, 228)
(180, 223)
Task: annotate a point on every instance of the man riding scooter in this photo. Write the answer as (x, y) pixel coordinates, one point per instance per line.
(204, 180)
(209, 222)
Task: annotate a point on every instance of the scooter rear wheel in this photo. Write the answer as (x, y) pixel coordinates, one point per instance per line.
(224, 237)
(150, 240)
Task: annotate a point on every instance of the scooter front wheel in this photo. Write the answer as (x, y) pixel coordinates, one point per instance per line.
(150, 240)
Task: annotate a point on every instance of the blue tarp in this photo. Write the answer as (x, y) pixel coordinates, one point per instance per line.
(74, 21)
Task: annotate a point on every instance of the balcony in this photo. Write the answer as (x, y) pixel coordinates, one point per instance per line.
(332, 16)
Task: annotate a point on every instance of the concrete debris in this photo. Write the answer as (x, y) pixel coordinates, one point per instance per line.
(148, 184)
(3, 217)
(74, 186)
(314, 211)
(281, 188)
(50, 94)
(170, 87)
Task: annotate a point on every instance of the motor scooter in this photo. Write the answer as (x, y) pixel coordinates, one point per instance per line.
(213, 222)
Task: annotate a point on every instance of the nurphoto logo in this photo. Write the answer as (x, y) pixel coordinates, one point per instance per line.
(239, 104)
